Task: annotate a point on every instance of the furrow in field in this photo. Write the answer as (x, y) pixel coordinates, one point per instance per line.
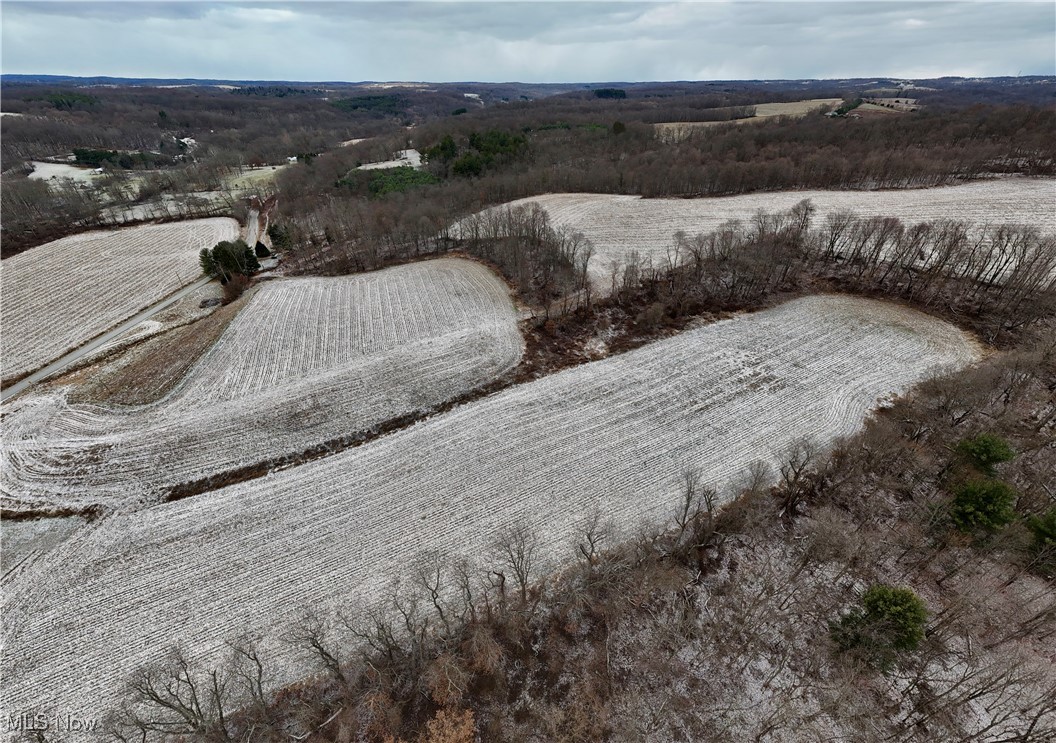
(62, 294)
(306, 362)
(617, 434)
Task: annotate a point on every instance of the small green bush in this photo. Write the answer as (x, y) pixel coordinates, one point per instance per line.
(983, 505)
(1044, 530)
(986, 450)
(890, 621)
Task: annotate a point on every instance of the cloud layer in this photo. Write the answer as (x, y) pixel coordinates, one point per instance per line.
(529, 41)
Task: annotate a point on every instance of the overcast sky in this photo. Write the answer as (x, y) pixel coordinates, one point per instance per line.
(529, 41)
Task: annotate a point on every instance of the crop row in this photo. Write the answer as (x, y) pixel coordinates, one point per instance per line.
(62, 294)
(306, 362)
(616, 434)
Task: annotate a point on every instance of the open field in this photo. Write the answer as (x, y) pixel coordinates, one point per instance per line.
(306, 361)
(678, 129)
(407, 158)
(618, 433)
(64, 293)
(46, 171)
(621, 225)
(25, 540)
(250, 178)
(873, 108)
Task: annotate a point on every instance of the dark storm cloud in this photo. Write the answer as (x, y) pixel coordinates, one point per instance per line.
(529, 41)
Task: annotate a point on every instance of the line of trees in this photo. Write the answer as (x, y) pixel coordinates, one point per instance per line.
(997, 279)
(560, 155)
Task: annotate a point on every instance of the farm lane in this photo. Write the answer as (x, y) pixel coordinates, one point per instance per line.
(252, 227)
(251, 231)
(58, 365)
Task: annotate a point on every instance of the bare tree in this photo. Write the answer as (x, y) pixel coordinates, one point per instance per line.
(515, 550)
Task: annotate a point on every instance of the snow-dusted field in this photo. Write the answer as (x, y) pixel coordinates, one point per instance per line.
(619, 225)
(46, 171)
(617, 433)
(406, 158)
(64, 293)
(306, 361)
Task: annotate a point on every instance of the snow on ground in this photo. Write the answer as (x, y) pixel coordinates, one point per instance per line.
(617, 433)
(168, 206)
(46, 171)
(619, 225)
(64, 293)
(23, 540)
(404, 158)
(307, 360)
(253, 177)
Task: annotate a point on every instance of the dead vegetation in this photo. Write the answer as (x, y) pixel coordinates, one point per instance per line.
(154, 367)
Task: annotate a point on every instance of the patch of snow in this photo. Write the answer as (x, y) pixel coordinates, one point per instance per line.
(404, 158)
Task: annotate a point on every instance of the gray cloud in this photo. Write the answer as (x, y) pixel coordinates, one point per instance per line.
(528, 41)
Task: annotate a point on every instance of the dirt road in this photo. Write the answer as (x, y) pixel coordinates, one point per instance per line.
(79, 353)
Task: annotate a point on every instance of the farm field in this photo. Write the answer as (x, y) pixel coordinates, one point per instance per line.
(306, 361)
(46, 171)
(407, 158)
(250, 178)
(674, 130)
(62, 294)
(253, 557)
(621, 225)
(874, 108)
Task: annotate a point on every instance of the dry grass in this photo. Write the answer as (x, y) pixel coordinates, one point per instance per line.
(60, 295)
(150, 370)
(873, 108)
(680, 129)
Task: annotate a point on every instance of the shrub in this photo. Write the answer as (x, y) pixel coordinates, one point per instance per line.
(227, 259)
(986, 450)
(983, 505)
(890, 621)
(234, 287)
(1044, 530)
